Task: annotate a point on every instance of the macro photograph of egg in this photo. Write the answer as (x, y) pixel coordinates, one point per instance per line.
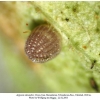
(50, 47)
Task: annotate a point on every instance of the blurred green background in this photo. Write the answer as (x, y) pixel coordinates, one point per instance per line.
(68, 72)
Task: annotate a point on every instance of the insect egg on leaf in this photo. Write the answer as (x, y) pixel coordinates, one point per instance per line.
(43, 44)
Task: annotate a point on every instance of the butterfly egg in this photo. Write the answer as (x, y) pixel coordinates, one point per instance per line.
(43, 44)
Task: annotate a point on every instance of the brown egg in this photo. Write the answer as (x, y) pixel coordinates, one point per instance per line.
(43, 44)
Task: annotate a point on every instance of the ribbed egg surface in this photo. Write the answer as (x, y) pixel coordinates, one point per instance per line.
(43, 44)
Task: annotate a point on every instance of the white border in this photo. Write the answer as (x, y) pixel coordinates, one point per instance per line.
(49, 96)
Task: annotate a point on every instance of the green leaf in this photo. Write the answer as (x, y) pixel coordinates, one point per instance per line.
(78, 24)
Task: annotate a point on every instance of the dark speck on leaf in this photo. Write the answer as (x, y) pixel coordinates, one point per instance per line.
(94, 84)
(67, 19)
(93, 63)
